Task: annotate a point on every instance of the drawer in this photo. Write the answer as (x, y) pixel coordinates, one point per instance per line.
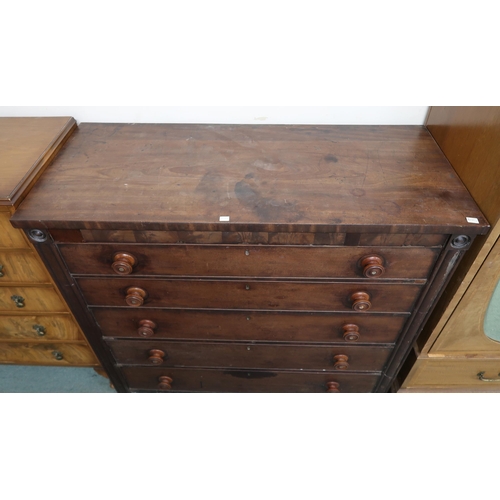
(48, 328)
(261, 261)
(54, 354)
(454, 373)
(148, 379)
(255, 325)
(11, 237)
(33, 299)
(271, 295)
(248, 355)
(21, 266)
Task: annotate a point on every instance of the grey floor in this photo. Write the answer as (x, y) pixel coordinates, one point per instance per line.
(33, 379)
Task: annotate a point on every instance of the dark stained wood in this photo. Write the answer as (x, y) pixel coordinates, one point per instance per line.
(252, 247)
(232, 355)
(263, 261)
(148, 379)
(245, 326)
(268, 295)
(27, 146)
(264, 177)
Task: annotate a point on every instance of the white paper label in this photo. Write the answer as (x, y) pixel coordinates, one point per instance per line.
(225, 218)
(472, 220)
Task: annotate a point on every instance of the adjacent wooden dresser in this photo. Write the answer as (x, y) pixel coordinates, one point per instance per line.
(251, 258)
(36, 326)
(454, 354)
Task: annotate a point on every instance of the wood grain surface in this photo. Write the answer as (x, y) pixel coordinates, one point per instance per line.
(27, 145)
(157, 177)
(268, 261)
(55, 327)
(254, 325)
(247, 380)
(44, 353)
(232, 355)
(10, 237)
(22, 266)
(236, 294)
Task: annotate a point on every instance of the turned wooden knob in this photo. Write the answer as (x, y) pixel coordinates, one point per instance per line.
(135, 296)
(123, 263)
(340, 362)
(146, 328)
(156, 356)
(332, 387)
(165, 383)
(360, 301)
(351, 332)
(372, 265)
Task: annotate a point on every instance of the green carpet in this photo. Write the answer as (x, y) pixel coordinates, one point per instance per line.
(31, 379)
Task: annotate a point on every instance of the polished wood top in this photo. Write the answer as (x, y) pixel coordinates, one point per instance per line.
(26, 147)
(262, 177)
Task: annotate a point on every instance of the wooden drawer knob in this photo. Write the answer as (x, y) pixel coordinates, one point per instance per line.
(360, 301)
(156, 356)
(135, 296)
(373, 266)
(332, 387)
(165, 383)
(123, 263)
(146, 328)
(340, 362)
(351, 332)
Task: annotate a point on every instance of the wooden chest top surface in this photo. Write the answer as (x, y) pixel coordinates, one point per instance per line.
(26, 147)
(265, 176)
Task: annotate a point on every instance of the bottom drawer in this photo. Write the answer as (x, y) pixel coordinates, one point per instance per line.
(453, 375)
(149, 379)
(54, 354)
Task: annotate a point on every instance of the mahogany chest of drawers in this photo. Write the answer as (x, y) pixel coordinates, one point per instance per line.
(251, 258)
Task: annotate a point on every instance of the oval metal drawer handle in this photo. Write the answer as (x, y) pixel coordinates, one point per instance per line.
(40, 330)
(19, 301)
(1, 272)
(58, 355)
(482, 379)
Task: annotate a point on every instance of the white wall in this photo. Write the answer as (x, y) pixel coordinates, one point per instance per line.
(335, 115)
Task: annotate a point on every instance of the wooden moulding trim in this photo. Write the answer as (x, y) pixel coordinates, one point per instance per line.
(442, 273)
(26, 183)
(469, 229)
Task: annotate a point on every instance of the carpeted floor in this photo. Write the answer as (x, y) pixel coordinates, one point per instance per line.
(31, 379)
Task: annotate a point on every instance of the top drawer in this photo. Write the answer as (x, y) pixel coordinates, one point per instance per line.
(249, 260)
